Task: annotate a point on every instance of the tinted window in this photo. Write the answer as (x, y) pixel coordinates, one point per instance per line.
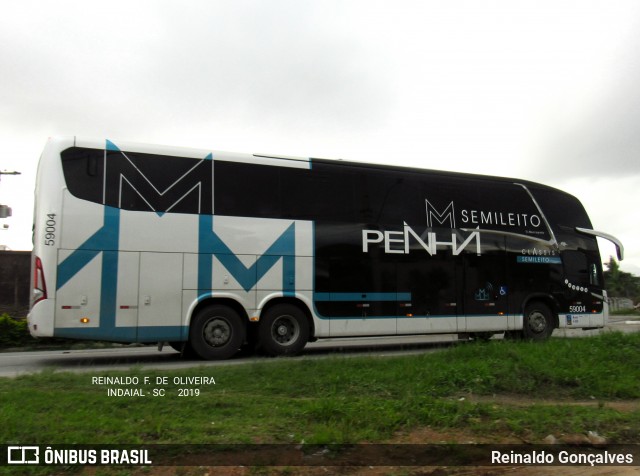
(561, 209)
(576, 267)
(326, 193)
(337, 192)
(142, 182)
(83, 173)
(581, 268)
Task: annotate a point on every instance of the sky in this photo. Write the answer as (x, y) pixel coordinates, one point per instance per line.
(539, 90)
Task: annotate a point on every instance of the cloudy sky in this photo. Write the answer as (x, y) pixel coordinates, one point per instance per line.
(540, 90)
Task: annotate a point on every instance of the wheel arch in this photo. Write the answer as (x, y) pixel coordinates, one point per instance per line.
(241, 310)
(226, 301)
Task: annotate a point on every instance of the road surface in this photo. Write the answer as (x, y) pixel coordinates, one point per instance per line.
(125, 357)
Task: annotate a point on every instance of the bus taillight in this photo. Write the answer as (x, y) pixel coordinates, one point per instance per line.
(39, 285)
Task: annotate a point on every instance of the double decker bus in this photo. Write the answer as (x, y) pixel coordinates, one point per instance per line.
(213, 251)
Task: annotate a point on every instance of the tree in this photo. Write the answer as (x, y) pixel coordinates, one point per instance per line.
(619, 283)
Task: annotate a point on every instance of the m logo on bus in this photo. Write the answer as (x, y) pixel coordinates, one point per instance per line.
(127, 186)
(440, 218)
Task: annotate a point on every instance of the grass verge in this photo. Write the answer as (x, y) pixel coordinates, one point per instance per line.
(340, 399)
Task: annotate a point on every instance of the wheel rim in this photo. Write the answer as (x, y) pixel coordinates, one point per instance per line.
(285, 330)
(537, 322)
(216, 332)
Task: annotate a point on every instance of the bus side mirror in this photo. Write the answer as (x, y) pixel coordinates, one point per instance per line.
(606, 236)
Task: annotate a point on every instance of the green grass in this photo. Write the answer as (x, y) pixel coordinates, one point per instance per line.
(626, 312)
(343, 399)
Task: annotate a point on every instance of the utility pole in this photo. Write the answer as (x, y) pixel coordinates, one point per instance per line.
(5, 210)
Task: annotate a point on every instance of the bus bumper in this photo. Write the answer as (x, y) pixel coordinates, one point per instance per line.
(41, 318)
(584, 321)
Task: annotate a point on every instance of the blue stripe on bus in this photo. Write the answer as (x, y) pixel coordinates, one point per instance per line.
(126, 334)
(105, 241)
(106, 238)
(111, 147)
(378, 297)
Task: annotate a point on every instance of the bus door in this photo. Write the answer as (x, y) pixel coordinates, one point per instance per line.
(362, 299)
(355, 291)
(582, 286)
(160, 299)
(430, 284)
(485, 287)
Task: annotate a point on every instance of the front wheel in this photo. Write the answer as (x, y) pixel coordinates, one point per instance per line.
(216, 332)
(538, 322)
(284, 330)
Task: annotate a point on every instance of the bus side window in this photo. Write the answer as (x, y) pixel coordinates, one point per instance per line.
(576, 267)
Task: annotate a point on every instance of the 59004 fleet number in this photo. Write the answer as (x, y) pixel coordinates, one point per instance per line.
(50, 230)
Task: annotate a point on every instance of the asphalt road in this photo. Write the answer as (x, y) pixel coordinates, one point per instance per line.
(125, 357)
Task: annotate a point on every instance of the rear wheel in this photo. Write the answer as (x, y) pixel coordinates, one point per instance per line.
(284, 330)
(538, 322)
(216, 332)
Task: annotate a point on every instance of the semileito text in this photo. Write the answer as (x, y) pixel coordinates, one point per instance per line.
(480, 217)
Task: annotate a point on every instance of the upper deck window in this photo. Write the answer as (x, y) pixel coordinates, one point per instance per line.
(137, 181)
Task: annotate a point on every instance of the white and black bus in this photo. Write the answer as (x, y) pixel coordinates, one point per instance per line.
(210, 251)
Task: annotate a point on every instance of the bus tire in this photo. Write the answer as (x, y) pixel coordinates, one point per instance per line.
(216, 332)
(284, 330)
(538, 322)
